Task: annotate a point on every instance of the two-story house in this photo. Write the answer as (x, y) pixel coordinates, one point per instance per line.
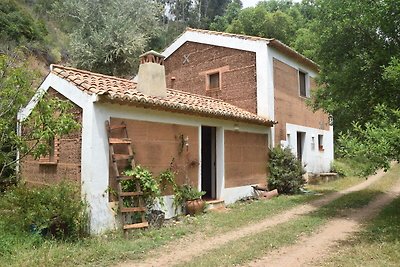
(263, 76)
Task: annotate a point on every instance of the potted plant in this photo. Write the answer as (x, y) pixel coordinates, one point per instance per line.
(189, 198)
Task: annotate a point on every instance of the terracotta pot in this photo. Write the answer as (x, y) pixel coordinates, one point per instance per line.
(195, 206)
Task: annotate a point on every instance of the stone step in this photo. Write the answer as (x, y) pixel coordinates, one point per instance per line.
(215, 204)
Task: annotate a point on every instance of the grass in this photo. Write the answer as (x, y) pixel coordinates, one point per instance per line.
(257, 245)
(20, 249)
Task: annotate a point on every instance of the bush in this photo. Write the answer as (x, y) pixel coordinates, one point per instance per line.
(286, 172)
(349, 167)
(53, 211)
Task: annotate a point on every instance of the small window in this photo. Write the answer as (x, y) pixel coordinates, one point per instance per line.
(321, 142)
(303, 84)
(53, 153)
(213, 81)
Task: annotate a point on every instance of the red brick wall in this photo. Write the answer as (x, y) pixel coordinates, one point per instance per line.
(289, 106)
(156, 144)
(68, 165)
(246, 156)
(238, 73)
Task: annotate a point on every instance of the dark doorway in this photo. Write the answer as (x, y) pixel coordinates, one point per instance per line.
(300, 145)
(208, 181)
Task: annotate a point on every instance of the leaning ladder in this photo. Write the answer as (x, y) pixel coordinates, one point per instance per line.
(135, 198)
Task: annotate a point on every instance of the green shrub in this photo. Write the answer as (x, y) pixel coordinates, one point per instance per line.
(286, 172)
(349, 167)
(55, 210)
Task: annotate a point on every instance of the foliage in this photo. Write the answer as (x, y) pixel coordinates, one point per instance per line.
(377, 142)
(185, 192)
(149, 186)
(50, 118)
(357, 42)
(286, 172)
(347, 167)
(18, 25)
(108, 36)
(55, 210)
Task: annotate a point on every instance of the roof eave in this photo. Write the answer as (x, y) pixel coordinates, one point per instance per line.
(157, 106)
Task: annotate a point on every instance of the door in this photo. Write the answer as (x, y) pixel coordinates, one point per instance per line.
(300, 145)
(208, 162)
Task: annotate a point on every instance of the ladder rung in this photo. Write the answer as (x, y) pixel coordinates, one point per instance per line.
(135, 209)
(136, 225)
(125, 178)
(119, 140)
(130, 194)
(121, 156)
(115, 127)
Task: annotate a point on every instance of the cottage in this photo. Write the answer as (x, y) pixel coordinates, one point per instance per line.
(262, 76)
(227, 144)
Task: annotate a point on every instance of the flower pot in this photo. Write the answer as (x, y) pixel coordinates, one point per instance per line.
(195, 206)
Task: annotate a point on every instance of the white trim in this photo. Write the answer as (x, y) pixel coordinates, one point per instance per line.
(61, 86)
(220, 159)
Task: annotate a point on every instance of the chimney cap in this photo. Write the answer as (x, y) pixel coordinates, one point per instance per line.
(152, 52)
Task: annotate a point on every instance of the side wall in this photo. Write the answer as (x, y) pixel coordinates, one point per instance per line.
(294, 116)
(191, 63)
(67, 163)
(290, 107)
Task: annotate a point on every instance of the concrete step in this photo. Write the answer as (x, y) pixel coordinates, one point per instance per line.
(215, 204)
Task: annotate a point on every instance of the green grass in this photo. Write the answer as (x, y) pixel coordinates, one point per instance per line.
(236, 253)
(27, 250)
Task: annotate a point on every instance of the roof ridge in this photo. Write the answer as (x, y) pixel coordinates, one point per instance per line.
(231, 34)
(52, 66)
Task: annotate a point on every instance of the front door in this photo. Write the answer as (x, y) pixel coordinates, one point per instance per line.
(208, 162)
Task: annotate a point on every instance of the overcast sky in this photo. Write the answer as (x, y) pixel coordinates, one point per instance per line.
(247, 3)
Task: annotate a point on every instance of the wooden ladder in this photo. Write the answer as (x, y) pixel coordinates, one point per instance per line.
(135, 198)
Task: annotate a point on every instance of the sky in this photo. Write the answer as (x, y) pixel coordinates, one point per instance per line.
(247, 3)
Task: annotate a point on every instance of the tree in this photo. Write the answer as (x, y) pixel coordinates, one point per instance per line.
(50, 118)
(221, 22)
(357, 41)
(108, 36)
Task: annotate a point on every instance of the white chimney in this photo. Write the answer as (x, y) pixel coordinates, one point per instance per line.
(151, 76)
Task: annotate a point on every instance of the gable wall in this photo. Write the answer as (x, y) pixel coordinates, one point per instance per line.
(238, 73)
(289, 106)
(69, 157)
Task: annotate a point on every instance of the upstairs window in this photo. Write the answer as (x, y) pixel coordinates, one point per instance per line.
(213, 81)
(303, 85)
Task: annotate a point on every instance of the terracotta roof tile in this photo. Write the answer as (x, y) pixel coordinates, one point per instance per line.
(113, 89)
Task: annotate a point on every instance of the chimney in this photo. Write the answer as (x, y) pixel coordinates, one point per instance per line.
(151, 76)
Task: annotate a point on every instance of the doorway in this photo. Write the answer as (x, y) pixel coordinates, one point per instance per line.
(301, 136)
(208, 162)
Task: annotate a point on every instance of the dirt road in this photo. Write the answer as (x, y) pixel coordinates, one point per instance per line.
(188, 248)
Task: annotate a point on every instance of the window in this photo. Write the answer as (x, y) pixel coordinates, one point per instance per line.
(303, 84)
(53, 153)
(213, 81)
(321, 142)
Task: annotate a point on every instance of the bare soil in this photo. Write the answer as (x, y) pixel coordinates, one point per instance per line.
(187, 248)
(309, 250)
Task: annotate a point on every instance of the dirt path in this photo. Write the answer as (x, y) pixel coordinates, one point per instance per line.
(187, 248)
(311, 249)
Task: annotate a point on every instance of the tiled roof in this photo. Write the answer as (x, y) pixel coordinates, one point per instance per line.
(270, 41)
(113, 89)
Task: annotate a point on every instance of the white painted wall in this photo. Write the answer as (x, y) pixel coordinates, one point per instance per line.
(316, 161)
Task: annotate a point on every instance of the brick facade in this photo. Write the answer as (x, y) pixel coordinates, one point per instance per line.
(187, 69)
(155, 145)
(246, 157)
(66, 163)
(289, 106)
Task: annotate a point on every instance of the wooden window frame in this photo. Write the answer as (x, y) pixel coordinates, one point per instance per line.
(306, 84)
(208, 81)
